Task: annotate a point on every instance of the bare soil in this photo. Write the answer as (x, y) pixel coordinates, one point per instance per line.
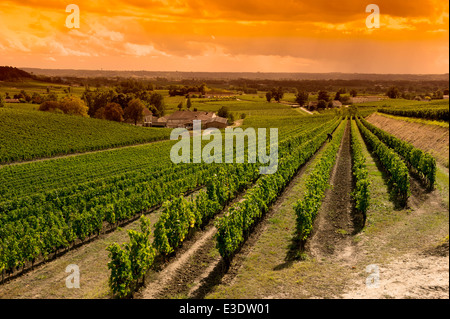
(430, 138)
(417, 276)
(334, 225)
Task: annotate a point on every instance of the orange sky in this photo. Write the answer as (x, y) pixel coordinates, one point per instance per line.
(227, 35)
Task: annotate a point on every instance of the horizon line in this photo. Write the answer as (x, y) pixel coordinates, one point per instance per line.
(264, 72)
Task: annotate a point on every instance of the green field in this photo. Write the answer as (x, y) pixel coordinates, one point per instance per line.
(406, 103)
(32, 86)
(28, 134)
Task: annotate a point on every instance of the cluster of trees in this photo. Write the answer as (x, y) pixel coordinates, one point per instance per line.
(112, 105)
(224, 112)
(102, 105)
(394, 92)
(275, 93)
(35, 98)
(324, 99)
(175, 90)
(112, 111)
(252, 89)
(133, 86)
(345, 99)
(188, 104)
(68, 105)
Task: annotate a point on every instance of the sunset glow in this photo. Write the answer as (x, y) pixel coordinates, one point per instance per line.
(227, 35)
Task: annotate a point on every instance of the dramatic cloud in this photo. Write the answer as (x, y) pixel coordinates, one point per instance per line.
(228, 35)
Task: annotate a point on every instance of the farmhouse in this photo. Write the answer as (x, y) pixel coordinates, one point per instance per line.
(337, 103)
(11, 100)
(184, 119)
(362, 99)
(218, 122)
(148, 116)
(159, 122)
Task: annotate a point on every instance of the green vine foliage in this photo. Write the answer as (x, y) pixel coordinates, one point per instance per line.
(438, 114)
(361, 192)
(391, 161)
(236, 225)
(130, 263)
(306, 209)
(421, 161)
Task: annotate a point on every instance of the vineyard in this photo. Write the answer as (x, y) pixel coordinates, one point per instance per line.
(217, 213)
(438, 114)
(27, 135)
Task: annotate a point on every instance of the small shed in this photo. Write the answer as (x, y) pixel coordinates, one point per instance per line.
(217, 122)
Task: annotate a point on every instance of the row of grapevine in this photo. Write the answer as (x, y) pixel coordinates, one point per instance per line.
(27, 135)
(63, 173)
(236, 225)
(317, 182)
(131, 262)
(34, 227)
(361, 193)
(391, 161)
(151, 161)
(421, 161)
(180, 216)
(439, 114)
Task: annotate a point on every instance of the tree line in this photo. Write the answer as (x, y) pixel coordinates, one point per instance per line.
(118, 104)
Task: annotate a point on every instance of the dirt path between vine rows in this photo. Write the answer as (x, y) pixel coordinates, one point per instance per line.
(335, 223)
(199, 268)
(415, 276)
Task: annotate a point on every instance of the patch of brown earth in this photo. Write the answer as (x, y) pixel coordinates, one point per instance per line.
(417, 276)
(334, 225)
(430, 138)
